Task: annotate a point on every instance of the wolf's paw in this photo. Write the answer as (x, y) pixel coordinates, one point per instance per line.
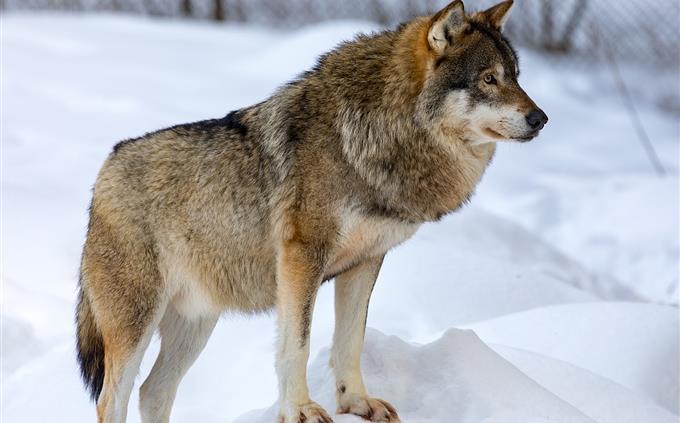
(306, 413)
(372, 409)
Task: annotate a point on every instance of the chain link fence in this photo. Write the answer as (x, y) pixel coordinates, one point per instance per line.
(644, 31)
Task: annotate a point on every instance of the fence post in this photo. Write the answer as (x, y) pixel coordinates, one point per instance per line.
(218, 10)
(547, 31)
(574, 20)
(186, 7)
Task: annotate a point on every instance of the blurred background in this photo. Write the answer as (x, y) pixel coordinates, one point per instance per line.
(569, 250)
(642, 31)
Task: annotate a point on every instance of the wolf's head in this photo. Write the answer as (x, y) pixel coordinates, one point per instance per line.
(470, 88)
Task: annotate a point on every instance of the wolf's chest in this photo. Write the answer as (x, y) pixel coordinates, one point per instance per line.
(360, 237)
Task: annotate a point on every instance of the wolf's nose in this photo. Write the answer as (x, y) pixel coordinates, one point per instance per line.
(537, 119)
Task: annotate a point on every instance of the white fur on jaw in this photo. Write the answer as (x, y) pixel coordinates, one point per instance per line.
(505, 120)
(472, 120)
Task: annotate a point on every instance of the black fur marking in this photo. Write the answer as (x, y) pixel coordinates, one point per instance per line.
(292, 136)
(123, 143)
(233, 121)
(295, 128)
(387, 166)
(459, 85)
(449, 37)
(306, 320)
(315, 256)
(90, 352)
(368, 300)
(380, 210)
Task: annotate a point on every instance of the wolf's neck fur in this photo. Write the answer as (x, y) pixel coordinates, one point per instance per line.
(422, 172)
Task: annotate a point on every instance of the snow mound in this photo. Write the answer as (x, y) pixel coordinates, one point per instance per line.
(457, 378)
(609, 339)
(595, 396)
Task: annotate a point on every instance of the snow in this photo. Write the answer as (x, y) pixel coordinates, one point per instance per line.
(628, 328)
(467, 371)
(595, 396)
(460, 379)
(565, 265)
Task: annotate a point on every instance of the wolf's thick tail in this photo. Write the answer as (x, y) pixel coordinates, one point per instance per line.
(90, 347)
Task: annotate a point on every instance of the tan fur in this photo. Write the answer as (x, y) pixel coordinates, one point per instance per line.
(256, 210)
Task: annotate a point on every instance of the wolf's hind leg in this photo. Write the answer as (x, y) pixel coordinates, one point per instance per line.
(182, 340)
(124, 350)
(125, 302)
(352, 294)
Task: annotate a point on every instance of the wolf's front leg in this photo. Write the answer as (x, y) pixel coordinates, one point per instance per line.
(299, 274)
(352, 293)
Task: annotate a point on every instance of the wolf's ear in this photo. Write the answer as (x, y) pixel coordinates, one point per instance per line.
(445, 25)
(497, 15)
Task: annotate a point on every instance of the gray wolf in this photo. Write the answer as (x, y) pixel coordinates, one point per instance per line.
(255, 210)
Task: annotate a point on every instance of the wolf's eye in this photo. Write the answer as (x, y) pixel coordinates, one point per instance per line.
(490, 79)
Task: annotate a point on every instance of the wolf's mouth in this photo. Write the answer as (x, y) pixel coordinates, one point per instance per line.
(497, 135)
(529, 137)
(493, 134)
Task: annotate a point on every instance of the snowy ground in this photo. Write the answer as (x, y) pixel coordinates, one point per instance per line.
(565, 266)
